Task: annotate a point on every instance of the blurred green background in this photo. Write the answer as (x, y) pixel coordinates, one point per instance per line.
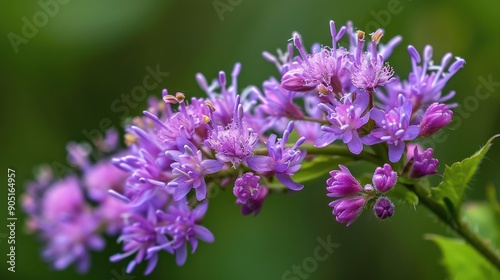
(87, 54)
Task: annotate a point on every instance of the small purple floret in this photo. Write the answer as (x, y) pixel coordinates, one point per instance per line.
(383, 208)
(384, 178)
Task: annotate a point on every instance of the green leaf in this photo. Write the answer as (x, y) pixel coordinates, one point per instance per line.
(318, 167)
(403, 194)
(484, 221)
(462, 261)
(458, 176)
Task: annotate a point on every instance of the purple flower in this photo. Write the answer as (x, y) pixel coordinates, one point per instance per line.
(254, 205)
(346, 210)
(148, 169)
(68, 225)
(426, 81)
(345, 119)
(393, 127)
(70, 241)
(227, 99)
(342, 183)
(283, 161)
(189, 169)
(383, 208)
(369, 69)
(110, 212)
(78, 154)
(183, 227)
(235, 143)
(423, 163)
(436, 117)
(283, 60)
(278, 101)
(384, 178)
(102, 177)
(246, 187)
(249, 193)
(322, 70)
(410, 148)
(141, 236)
(183, 123)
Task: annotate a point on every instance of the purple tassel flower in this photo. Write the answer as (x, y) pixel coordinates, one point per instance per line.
(189, 169)
(436, 117)
(249, 193)
(235, 143)
(423, 163)
(141, 236)
(384, 178)
(246, 187)
(426, 81)
(342, 183)
(283, 161)
(393, 127)
(345, 119)
(322, 70)
(183, 228)
(383, 208)
(369, 70)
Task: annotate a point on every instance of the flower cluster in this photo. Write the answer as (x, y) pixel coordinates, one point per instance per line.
(353, 197)
(154, 193)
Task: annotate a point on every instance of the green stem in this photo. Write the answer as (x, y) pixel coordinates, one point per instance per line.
(333, 150)
(459, 226)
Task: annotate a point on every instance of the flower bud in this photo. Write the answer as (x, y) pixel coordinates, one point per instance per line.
(423, 163)
(293, 81)
(346, 210)
(384, 178)
(342, 183)
(383, 208)
(436, 117)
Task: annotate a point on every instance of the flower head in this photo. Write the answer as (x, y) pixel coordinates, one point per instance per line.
(140, 236)
(234, 143)
(368, 69)
(182, 226)
(393, 127)
(246, 187)
(189, 169)
(283, 161)
(345, 120)
(322, 70)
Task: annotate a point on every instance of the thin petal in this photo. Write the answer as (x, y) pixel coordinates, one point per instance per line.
(211, 166)
(204, 234)
(396, 151)
(181, 255)
(260, 163)
(287, 181)
(411, 132)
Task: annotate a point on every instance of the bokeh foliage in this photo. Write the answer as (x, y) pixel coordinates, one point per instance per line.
(66, 77)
